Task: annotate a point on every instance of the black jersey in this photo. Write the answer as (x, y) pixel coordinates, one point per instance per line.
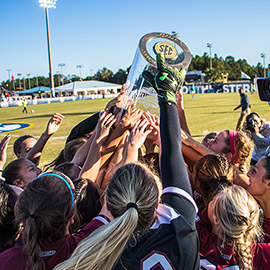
(171, 243)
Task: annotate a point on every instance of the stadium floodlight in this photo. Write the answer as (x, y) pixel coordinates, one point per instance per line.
(209, 45)
(49, 4)
(80, 67)
(61, 66)
(263, 56)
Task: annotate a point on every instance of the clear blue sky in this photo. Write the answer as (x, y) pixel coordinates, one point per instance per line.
(106, 33)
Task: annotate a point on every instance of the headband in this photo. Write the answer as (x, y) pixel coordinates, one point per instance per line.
(232, 139)
(64, 180)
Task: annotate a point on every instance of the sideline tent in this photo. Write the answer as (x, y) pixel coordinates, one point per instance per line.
(35, 90)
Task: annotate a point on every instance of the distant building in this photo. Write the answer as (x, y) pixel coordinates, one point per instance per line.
(88, 88)
(78, 88)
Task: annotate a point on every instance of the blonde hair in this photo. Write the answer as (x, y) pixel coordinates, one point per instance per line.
(131, 183)
(238, 215)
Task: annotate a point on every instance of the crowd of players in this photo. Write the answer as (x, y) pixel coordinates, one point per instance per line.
(133, 190)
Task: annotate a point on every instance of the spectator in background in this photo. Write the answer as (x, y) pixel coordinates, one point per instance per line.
(193, 91)
(245, 106)
(260, 131)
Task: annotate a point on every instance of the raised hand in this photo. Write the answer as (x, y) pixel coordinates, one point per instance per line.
(3, 150)
(139, 133)
(130, 117)
(54, 123)
(167, 81)
(154, 136)
(105, 122)
(115, 102)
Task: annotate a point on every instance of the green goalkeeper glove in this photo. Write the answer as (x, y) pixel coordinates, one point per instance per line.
(166, 82)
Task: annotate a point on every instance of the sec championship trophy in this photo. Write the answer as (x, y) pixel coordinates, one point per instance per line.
(177, 55)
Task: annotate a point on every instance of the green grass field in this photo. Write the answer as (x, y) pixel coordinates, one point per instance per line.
(209, 112)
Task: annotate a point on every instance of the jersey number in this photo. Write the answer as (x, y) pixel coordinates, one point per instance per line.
(156, 261)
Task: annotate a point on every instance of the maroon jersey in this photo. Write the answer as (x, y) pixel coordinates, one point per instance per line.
(213, 257)
(16, 257)
(266, 230)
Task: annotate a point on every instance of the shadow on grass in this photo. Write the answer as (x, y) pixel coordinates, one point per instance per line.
(50, 115)
(208, 106)
(227, 112)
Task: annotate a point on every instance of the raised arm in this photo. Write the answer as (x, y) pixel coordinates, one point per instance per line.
(82, 153)
(92, 164)
(176, 186)
(136, 139)
(3, 151)
(88, 125)
(52, 126)
(153, 138)
(181, 111)
(191, 143)
(127, 121)
(115, 162)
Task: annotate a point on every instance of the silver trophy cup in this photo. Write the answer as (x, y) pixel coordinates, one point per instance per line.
(137, 90)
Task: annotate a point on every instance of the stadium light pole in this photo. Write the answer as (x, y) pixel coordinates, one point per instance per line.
(209, 45)
(263, 56)
(24, 83)
(29, 83)
(61, 66)
(49, 4)
(58, 77)
(80, 67)
(8, 70)
(19, 75)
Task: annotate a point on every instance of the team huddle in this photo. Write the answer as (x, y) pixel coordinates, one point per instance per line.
(133, 190)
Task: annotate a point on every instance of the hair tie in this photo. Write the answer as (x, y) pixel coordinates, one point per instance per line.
(32, 216)
(223, 178)
(132, 205)
(64, 180)
(232, 140)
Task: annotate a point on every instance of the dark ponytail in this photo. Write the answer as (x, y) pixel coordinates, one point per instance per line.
(44, 209)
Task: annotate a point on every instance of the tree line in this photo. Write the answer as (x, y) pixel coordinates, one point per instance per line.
(199, 63)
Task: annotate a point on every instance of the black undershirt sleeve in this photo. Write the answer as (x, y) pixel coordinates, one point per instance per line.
(173, 168)
(84, 127)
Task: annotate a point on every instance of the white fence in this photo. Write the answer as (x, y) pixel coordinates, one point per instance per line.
(18, 101)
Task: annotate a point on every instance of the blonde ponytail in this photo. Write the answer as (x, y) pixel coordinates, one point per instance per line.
(101, 249)
(238, 216)
(132, 195)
